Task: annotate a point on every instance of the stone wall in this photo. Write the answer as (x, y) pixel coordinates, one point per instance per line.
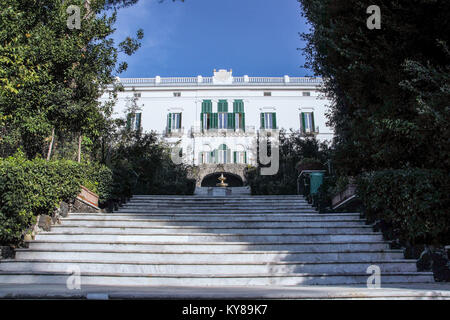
(200, 172)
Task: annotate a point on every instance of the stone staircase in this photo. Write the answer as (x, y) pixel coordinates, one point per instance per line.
(210, 241)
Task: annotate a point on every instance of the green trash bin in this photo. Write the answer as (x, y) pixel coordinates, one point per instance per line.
(316, 180)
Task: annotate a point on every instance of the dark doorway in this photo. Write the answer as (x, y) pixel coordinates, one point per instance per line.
(211, 180)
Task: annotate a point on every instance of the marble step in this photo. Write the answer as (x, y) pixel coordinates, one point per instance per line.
(202, 268)
(196, 237)
(105, 222)
(240, 257)
(264, 279)
(173, 230)
(297, 217)
(210, 247)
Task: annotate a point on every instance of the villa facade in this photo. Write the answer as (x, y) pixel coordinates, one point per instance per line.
(216, 120)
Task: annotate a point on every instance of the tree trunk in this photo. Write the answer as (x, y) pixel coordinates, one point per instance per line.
(50, 147)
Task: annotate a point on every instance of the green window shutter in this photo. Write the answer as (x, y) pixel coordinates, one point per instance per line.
(211, 158)
(216, 156)
(245, 156)
(235, 157)
(238, 106)
(206, 106)
(243, 121)
(230, 120)
(312, 120)
(274, 120)
(209, 106)
(216, 120)
(222, 106)
(201, 120)
(138, 121)
(262, 120)
(129, 116)
(303, 122)
(169, 122)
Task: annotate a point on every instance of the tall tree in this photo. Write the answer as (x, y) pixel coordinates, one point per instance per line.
(51, 76)
(389, 86)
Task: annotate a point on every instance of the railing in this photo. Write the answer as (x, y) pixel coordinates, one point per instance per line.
(177, 81)
(199, 130)
(174, 132)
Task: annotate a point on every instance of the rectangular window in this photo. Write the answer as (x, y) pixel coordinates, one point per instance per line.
(177, 94)
(268, 120)
(134, 121)
(306, 93)
(307, 122)
(223, 120)
(137, 95)
(176, 121)
(267, 94)
(240, 157)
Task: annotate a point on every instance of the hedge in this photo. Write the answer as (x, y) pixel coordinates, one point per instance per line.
(415, 203)
(33, 187)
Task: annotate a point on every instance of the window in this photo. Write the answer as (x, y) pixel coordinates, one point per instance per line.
(239, 123)
(174, 121)
(267, 94)
(177, 94)
(239, 115)
(307, 122)
(223, 154)
(137, 95)
(223, 120)
(134, 121)
(268, 120)
(240, 157)
(306, 93)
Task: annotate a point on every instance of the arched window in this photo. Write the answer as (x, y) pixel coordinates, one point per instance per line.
(224, 154)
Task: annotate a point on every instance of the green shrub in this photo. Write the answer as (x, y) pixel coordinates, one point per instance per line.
(414, 202)
(33, 187)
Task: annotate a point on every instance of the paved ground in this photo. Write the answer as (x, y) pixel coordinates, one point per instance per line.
(416, 291)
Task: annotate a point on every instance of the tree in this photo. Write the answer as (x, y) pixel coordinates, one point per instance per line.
(51, 76)
(389, 87)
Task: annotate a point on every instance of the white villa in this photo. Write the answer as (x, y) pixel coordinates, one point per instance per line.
(216, 120)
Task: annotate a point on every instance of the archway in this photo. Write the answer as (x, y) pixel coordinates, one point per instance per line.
(211, 180)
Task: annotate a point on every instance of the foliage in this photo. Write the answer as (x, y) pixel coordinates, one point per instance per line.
(33, 187)
(414, 202)
(389, 87)
(294, 147)
(390, 92)
(141, 164)
(51, 76)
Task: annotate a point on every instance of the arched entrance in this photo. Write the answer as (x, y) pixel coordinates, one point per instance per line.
(211, 180)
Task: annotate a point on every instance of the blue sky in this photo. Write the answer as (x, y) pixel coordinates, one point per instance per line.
(253, 37)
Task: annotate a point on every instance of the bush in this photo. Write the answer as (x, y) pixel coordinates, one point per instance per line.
(414, 203)
(34, 187)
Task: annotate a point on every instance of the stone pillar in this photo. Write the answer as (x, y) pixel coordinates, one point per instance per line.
(246, 79)
(286, 79)
(158, 80)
